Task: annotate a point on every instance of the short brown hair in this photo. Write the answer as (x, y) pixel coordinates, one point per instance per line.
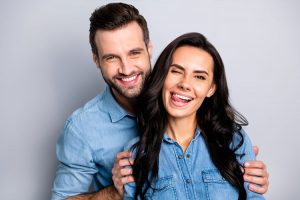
(113, 16)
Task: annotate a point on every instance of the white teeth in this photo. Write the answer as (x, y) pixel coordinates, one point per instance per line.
(183, 97)
(129, 79)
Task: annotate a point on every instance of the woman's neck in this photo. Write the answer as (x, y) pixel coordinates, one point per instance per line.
(182, 130)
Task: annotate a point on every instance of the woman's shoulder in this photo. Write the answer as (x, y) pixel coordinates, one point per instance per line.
(242, 145)
(240, 136)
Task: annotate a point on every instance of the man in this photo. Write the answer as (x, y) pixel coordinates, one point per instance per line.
(95, 133)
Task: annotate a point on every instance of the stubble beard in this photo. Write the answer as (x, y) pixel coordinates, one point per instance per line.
(130, 92)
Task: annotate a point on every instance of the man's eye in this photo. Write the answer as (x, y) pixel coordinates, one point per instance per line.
(135, 53)
(200, 77)
(110, 58)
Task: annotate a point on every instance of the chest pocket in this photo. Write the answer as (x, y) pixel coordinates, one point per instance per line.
(162, 188)
(216, 187)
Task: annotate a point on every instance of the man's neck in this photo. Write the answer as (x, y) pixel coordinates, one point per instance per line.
(126, 103)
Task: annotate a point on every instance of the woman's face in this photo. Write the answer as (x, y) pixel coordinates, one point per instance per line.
(188, 82)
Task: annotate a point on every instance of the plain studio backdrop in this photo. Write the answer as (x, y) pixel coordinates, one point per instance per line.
(46, 72)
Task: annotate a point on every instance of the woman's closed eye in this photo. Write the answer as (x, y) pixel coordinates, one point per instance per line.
(176, 71)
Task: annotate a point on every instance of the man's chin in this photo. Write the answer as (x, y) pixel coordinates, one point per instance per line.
(129, 93)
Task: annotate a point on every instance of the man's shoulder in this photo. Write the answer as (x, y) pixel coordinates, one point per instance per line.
(89, 108)
(91, 111)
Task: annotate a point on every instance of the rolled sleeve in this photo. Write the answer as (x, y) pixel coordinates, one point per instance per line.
(76, 166)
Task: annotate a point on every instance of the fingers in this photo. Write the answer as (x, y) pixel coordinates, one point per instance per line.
(123, 163)
(122, 171)
(258, 189)
(255, 172)
(256, 150)
(122, 155)
(256, 180)
(257, 169)
(254, 164)
(121, 177)
(126, 179)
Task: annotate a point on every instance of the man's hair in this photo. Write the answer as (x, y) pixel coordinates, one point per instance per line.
(113, 16)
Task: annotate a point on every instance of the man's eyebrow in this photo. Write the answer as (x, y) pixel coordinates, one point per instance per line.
(195, 71)
(137, 49)
(201, 72)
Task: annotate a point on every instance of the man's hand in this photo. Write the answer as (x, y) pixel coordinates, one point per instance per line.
(257, 175)
(122, 174)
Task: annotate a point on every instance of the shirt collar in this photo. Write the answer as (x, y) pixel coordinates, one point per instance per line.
(167, 139)
(115, 111)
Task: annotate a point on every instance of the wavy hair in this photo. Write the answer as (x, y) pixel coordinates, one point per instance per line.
(218, 120)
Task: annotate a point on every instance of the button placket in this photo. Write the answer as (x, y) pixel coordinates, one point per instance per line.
(183, 161)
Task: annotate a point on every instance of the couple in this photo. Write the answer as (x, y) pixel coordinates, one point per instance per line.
(212, 145)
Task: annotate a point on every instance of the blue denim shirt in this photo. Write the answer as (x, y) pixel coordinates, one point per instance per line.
(192, 175)
(88, 144)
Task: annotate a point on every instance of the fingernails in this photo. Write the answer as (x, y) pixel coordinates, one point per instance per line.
(247, 164)
(251, 186)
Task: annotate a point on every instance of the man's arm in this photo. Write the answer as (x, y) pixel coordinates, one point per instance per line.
(256, 175)
(108, 193)
(121, 176)
(75, 171)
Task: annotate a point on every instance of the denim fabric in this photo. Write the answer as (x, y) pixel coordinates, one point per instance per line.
(88, 144)
(192, 175)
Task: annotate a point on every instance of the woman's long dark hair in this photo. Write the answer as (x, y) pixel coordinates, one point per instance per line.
(216, 117)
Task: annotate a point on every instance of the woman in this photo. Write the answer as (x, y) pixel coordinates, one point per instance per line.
(192, 145)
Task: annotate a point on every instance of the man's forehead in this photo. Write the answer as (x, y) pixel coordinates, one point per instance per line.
(131, 32)
(126, 36)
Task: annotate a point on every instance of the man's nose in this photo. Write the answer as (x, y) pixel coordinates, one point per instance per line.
(126, 67)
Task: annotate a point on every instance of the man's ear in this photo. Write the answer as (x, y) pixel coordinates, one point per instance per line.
(212, 90)
(150, 48)
(96, 60)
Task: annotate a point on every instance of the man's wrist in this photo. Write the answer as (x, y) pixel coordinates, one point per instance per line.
(115, 194)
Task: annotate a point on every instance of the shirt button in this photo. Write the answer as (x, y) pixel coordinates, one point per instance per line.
(180, 156)
(188, 180)
(188, 155)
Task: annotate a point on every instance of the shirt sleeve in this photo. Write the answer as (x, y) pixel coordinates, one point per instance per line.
(246, 153)
(76, 166)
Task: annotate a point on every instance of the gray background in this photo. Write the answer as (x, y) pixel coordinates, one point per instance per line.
(46, 72)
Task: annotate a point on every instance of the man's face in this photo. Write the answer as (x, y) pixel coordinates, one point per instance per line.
(124, 59)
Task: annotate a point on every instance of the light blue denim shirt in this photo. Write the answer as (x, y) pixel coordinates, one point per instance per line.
(192, 175)
(88, 144)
